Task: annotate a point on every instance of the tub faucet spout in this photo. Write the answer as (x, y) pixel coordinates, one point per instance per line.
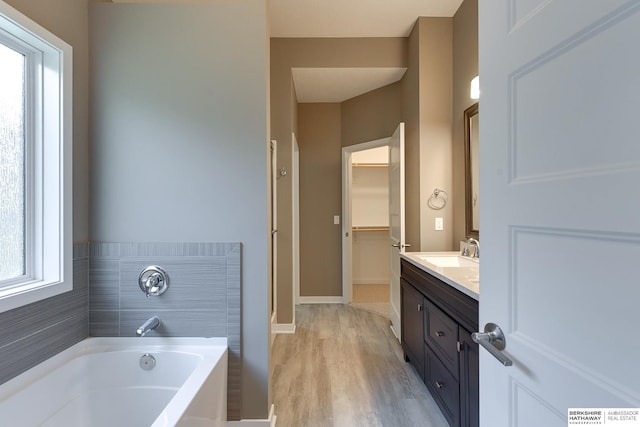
(148, 326)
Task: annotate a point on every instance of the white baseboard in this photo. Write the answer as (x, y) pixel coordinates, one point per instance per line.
(377, 281)
(283, 328)
(269, 422)
(321, 300)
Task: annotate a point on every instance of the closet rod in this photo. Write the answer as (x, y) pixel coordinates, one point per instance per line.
(370, 165)
(375, 228)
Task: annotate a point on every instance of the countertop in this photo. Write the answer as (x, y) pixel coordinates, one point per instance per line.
(464, 279)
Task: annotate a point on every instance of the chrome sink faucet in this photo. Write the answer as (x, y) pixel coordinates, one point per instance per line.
(474, 242)
(148, 326)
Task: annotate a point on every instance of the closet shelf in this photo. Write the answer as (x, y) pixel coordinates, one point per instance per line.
(370, 228)
(370, 165)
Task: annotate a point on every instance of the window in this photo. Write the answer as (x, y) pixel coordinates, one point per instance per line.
(35, 162)
(12, 235)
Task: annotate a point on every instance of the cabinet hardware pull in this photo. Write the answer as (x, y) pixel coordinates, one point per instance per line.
(459, 346)
(419, 307)
(439, 333)
(439, 384)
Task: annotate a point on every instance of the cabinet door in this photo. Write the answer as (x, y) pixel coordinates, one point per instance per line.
(469, 386)
(412, 303)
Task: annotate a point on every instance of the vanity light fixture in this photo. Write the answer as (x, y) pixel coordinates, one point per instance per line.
(475, 88)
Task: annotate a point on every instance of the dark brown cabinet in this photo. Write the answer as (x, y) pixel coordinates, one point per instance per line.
(412, 303)
(469, 376)
(436, 339)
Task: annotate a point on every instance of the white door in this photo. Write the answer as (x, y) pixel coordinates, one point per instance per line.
(559, 176)
(397, 243)
(347, 238)
(274, 231)
(295, 176)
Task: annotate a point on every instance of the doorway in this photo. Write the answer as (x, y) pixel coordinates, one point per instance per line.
(366, 226)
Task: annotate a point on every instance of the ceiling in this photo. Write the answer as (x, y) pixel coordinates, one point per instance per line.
(340, 84)
(352, 18)
(349, 18)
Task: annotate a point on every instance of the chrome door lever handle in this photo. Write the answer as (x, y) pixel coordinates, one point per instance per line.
(401, 245)
(494, 341)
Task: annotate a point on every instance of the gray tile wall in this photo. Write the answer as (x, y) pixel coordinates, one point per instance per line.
(203, 298)
(35, 332)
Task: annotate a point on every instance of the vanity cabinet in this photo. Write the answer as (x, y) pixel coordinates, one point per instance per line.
(412, 335)
(437, 321)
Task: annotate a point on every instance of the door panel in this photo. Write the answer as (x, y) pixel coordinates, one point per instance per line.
(347, 237)
(559, 167)
(396, 221)
(274, 230)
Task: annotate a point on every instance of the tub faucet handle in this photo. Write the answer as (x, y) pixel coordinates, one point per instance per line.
(153, 280)
(152, 284)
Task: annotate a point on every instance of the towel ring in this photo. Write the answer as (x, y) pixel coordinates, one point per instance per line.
(438, 199)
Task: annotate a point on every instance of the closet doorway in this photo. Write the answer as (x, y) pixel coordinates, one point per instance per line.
(366, 226)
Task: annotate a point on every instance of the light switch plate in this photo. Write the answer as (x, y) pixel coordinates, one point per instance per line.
(336, 219)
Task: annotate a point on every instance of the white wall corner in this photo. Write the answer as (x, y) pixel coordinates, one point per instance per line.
(269, 422)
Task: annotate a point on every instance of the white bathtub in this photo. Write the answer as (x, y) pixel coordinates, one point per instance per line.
(99, 382)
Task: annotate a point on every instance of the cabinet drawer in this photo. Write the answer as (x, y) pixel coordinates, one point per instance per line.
(444, 388)
(441, 333)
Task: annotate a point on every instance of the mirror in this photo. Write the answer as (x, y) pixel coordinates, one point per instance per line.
(471, 162)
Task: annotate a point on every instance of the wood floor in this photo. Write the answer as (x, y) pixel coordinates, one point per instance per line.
(344, 368)
(374, 298)
(370, 293)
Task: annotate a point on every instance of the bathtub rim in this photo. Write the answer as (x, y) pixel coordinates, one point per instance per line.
(210, 351)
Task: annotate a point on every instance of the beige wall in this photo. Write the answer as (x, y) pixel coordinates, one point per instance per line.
(325, 52)
(373, 115)
(410, 92)
(435, 65)
(465, 67)
(320, 189)
(323, 130)
(426, 111)
(69, 20)
(422, 99)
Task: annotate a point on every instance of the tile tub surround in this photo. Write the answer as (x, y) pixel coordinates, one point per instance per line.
(203, 298)
(35, 332)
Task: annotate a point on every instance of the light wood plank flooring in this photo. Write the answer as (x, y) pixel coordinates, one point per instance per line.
(344, 368)
(374, 298)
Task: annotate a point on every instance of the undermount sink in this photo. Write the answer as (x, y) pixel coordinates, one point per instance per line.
(449, 261)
